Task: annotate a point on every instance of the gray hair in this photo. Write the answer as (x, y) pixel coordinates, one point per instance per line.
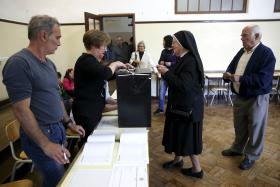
(256, 30)
(141, 42)
(39, 23)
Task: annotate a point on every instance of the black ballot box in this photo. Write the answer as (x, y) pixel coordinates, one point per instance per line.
(134, 99)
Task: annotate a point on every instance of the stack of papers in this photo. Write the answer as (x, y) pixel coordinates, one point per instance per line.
(108, 122)
(98, 150)
(90, 177)
(133, 149)
(128, 176)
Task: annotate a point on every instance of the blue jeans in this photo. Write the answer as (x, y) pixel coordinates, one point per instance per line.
(52, 171)
(162, 92)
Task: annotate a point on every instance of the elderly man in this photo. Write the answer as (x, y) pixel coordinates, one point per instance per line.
(31, 81)
(250, 73)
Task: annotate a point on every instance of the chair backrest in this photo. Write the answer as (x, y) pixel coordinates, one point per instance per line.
(12, 131)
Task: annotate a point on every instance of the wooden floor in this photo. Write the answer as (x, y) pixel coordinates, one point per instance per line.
(218, 134)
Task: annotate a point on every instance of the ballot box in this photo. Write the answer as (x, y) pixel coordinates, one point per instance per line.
(134, 99)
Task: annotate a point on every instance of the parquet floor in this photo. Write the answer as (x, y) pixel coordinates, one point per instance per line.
(218, 134)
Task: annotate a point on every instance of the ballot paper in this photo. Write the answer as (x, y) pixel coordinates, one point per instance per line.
(98, 150)
(108, 122)
(90, 177)
(133, 149)
(127, 176)
(95, 137)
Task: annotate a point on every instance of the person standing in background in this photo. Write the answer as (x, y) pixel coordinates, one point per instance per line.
(67, 99)
(168, 59)
(120, 50)
(142, 59)
(31, 81)
(251, 74)
(185, 107)
(68, 82)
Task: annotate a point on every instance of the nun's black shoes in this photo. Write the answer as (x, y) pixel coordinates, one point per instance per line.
(189, 172)
(173, 164)
(229, 152)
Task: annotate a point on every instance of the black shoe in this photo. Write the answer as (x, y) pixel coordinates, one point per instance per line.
(229, 152)
(172, 164)
(158, 111)
(189, 172)
(246, 164)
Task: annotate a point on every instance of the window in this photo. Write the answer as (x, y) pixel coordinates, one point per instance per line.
(211, 6)
(277, 6)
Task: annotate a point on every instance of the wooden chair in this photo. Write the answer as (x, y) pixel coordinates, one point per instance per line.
(19, 183)
(12, 133)
(72, 138)
(71, 134)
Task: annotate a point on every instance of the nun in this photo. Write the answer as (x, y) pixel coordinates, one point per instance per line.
(184, 114)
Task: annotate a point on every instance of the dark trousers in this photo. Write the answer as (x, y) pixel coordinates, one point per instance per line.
(88, 123)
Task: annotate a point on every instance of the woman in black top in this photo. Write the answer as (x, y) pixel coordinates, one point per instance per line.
(90, 76)
(184, 114)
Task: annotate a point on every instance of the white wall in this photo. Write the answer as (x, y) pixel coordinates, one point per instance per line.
(71, 11)
(217, 42)
(13, 38)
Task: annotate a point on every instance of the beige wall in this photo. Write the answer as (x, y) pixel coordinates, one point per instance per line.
(71, 47)
(13, 37)
(217, 42)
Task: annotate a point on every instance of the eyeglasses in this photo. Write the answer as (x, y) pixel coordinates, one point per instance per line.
(141, 46)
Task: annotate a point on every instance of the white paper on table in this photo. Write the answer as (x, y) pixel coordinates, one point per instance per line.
(142, 176)
(115, 95)
(133, 154)
(90, 177)
(101, 138)
(135, 130)
(134, 137)
(105, 132)
(108, 122)
(133, 149)
(97, 153)
(127, 176)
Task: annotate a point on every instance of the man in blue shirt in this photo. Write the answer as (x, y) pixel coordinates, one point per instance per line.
(250, 73)
(31, 81)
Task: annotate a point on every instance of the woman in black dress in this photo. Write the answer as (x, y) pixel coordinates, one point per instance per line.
(90, 81)
(184, 115)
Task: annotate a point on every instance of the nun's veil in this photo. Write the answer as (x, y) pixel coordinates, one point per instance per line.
(186, 39)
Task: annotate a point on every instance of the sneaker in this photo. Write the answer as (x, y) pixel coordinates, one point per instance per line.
(158, 111)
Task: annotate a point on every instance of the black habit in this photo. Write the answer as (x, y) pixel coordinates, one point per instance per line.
(183, 134)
